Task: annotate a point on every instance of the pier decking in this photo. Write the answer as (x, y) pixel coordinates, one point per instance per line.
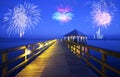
(56, 61)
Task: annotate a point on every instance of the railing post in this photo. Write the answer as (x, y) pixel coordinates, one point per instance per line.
(25, 53)
(83, 50)
(5, 68)
(68, 45)
(76, 48)
(71, 46)
(103, 67)
(33, 49)
(87, 54)
(80, 50)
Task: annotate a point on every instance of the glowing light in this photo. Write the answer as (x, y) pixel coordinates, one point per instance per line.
(46, 43)
(27, 51)
(102, 13)
(40, 46)
(63, 15)
(21, 18)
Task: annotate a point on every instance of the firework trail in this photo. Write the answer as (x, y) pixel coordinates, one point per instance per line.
(63, 15)
(21, 18)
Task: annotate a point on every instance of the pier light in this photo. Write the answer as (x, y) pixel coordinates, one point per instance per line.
(78, 38)
(49, 42)
(41, 45)
(81, 38)
(73, 37)
(68, 38)
(27, 51)
(46, 43)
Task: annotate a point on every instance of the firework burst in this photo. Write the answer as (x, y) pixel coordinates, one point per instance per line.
(21, 18)
(102, 13)
(63, 15)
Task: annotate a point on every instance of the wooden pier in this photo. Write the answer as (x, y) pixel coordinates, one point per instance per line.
(54, 59)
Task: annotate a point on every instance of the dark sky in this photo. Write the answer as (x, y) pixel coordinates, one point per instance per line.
(52, 28)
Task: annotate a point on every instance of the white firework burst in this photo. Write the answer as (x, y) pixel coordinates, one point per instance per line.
(102, 13)
(21, 18)
(102, 18)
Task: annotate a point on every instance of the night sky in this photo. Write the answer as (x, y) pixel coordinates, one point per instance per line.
(48, 27)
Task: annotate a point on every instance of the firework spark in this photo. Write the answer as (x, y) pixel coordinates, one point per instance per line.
(21, 18)
(63, 15)
(102, 14)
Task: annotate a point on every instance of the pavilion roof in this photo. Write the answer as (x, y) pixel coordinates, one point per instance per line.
(74, 33)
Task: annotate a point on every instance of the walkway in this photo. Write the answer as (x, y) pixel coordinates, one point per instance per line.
(56, 61)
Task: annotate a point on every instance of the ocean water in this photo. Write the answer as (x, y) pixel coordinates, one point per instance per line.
(107, 44)
(14, 42)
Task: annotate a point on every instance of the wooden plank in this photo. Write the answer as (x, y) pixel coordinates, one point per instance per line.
(36, 67)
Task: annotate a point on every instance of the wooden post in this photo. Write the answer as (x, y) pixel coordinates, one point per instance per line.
(71, 47)
(33, 49)
(76, 48)
(80, 50)
(4, 69)
(87, 54)
(103, 67)
(68, 45)
(25, 51)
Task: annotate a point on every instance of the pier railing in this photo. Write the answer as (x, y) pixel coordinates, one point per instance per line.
(83, 51)
(29, 52)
